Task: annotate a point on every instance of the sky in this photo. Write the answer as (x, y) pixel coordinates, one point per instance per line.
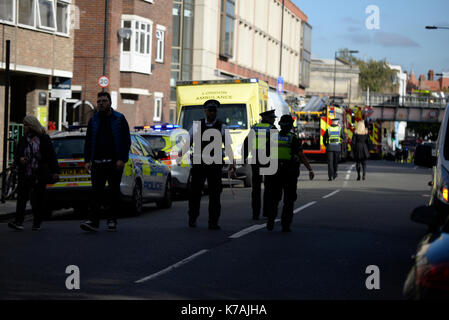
(401, 37)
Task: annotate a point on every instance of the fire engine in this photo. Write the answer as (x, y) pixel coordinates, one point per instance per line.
(313, 121)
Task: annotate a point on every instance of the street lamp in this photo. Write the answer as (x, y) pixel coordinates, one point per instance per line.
(335, 65)
(435, 27)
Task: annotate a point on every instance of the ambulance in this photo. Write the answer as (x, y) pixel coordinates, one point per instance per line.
(242, 100)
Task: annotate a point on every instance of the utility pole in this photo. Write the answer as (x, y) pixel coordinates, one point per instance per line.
(282, 39)
(105, 52)
(6, 120)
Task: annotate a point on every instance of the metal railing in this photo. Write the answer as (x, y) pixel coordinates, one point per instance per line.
(389, 100)
(15, 132)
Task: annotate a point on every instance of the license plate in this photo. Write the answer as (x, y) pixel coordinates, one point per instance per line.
(73, 172)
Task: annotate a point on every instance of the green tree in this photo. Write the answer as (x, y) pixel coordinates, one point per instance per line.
(374, 74)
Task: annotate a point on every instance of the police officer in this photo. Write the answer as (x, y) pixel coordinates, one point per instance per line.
(261, 142)
(290, 156)
(212, 172)
(333, 140)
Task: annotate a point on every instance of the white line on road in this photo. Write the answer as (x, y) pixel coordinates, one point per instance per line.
(246, 231)
(172, 267)
(304, 206)
(348, 176)
(331, 194)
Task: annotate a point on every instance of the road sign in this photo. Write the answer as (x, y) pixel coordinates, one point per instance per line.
(103, 82)
(280, 85)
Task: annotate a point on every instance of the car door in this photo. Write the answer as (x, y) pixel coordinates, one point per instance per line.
(141, 168)
(159, 171)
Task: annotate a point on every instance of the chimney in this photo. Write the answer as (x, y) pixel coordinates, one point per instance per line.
(430, 75)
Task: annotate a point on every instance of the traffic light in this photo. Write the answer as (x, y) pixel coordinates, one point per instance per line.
(393, 135)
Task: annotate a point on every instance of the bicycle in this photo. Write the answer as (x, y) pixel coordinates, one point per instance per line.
(11, 181)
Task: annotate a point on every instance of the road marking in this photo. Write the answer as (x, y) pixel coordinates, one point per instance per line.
(172, 267)
(247, 230)
(331, 194)
(426, 195)
(348, 176)
(304, 206)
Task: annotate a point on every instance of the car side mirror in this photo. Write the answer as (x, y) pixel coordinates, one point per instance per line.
(423, 215)
(161, 155)
(423, 156)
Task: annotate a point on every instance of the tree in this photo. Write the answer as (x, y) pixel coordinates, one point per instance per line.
(375, 75)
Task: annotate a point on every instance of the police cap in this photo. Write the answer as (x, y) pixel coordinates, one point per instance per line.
(211, 104)
(286, 120)
(268, 114)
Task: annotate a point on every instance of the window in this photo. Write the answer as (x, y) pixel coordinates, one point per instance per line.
(62, 17)
(7, 10)
(46, 14)
(27, 12)
(160, 45)
(227, 28)
(157, 106)
(136, 49)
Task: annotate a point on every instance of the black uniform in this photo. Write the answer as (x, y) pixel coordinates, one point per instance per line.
(199, 174)
(257, 178)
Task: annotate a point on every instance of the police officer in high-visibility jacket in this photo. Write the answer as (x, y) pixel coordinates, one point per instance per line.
(333, 139)
(261, 144)
(290, 156)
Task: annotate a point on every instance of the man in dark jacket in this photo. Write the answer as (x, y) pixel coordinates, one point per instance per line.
(106, 151)
(37, 165)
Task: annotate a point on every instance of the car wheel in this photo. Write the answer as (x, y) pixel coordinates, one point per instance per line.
(137, 203)
(166, 202)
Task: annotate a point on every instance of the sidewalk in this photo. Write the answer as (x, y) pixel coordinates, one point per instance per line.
(8, 209)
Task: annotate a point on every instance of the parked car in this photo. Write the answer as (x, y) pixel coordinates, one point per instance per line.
(145, 178)
(429, 275)
(437, 158)
(168, 138)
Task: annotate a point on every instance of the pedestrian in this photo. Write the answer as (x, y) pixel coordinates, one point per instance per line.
(285, 181)
(37, 165)
(106, 151)
(261, 143)
(360, 147)
(333, 139)
(212, 172)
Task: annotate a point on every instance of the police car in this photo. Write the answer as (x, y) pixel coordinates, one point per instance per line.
(167, 140)
(144, 179)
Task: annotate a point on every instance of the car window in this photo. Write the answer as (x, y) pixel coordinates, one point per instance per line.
(72, 147)
(135, 147)
(157, 142)
(446, 144)
(147, 148)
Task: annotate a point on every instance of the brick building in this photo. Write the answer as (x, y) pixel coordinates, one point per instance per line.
(429, 83)
(41, 37)
(137, 60)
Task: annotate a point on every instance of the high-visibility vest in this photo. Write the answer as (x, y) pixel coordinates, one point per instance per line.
(334, 135)
(262, 133)
(285, 147)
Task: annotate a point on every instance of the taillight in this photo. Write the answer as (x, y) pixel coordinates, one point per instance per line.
(445, 194)
(434, 276)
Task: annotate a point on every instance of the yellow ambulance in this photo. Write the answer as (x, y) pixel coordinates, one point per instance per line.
(242, 100)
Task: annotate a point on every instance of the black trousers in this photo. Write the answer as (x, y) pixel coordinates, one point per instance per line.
(100, 174)
(29, 190)
(332, 163)
(361, 163)
(256, 191)
(283, 183)
(199, 175)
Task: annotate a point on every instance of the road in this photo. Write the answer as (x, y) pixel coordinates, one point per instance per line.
(340, 228)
